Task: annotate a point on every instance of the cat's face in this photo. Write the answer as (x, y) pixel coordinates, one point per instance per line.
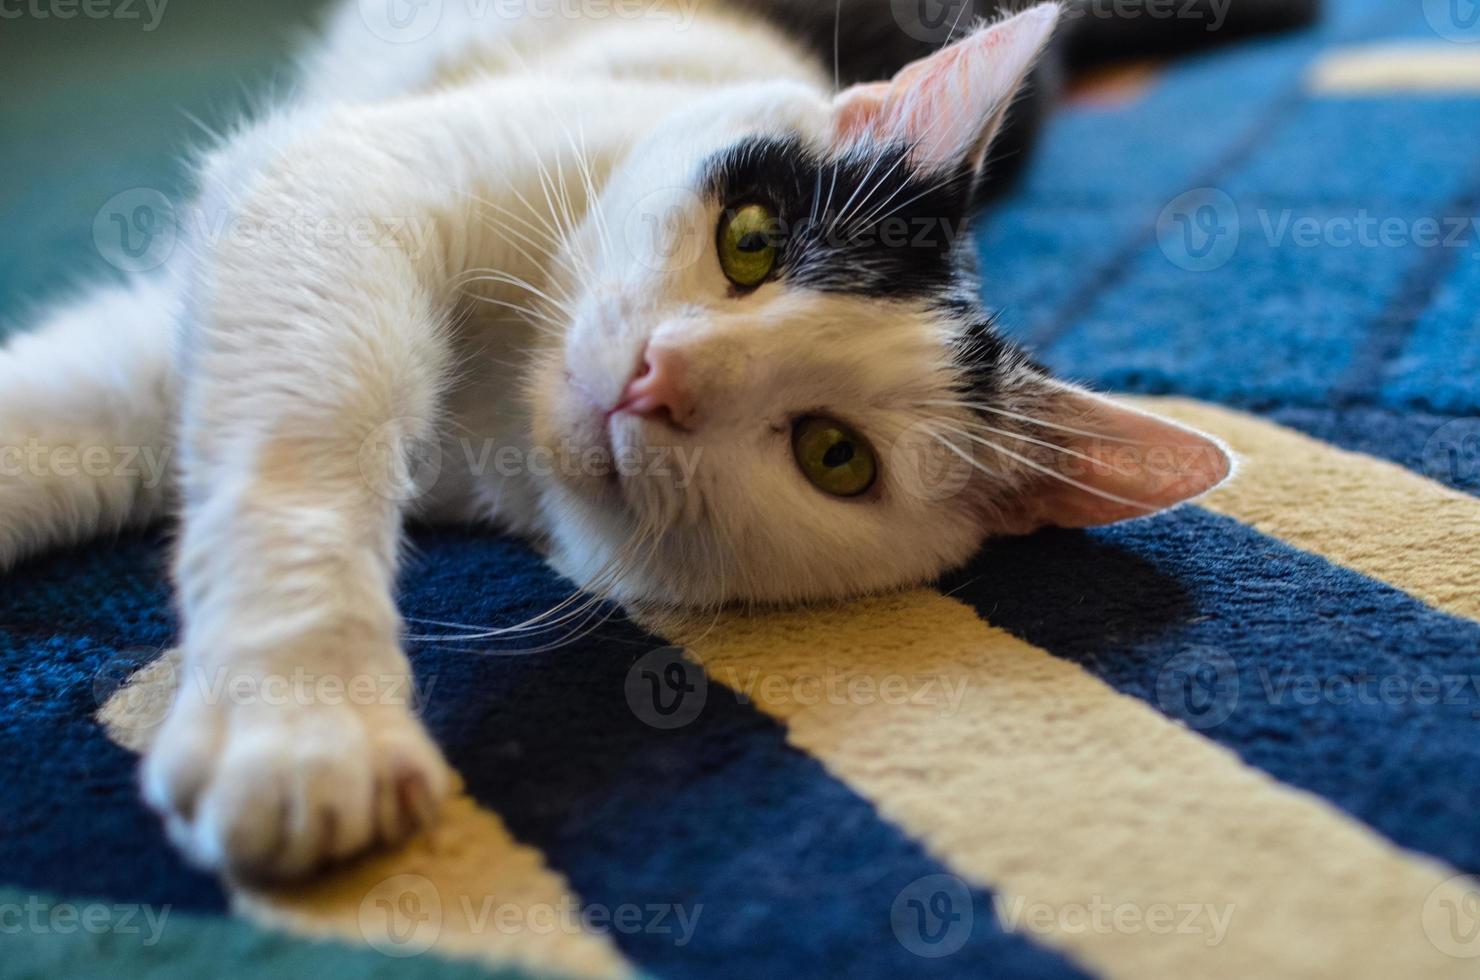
(779, 382)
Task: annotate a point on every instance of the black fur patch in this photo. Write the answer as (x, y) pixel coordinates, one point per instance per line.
(870, 225)
(866, 224)
(979, 352)
(982, 354)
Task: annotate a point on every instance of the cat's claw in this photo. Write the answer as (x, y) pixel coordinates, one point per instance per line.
(279, 791)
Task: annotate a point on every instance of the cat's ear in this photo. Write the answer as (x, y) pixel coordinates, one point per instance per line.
(1121, 463)
(949, 106)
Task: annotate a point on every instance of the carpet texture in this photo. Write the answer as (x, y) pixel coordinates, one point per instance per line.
(1240, 739)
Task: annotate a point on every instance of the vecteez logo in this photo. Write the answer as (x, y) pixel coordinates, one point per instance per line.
(1199, 230)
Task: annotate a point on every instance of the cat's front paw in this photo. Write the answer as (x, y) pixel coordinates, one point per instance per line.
(280, 787)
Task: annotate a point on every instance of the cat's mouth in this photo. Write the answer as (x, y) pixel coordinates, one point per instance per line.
(600, 452)
(628, 461)
(625, 443)
(637, 465)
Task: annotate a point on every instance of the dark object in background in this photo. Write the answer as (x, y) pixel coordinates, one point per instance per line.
(870, 40)
(1092, 39)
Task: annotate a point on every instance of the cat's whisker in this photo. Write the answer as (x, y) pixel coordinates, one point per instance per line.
(585, 629)
(508, 279)
(1055, 447)
(994, 410)
(550, 252)
(544, 622)
(864, 188)
(539, 301)
(490, 631)
(511, 651)
(556, 245)
(462, 377)
(831, 188)
(594, 205)
(563, 229)
(589, 610)
(943, 440)
(548, 231)
(216, 136)
(562, 192)
(553, 280)
(561, 188)
(598, 594)
(869, 222)
(538, 624)
(548, 189)
(517, 240)
(955, 25)
(933, 433)
(1049, 471)
(930, 189)
(587, 602)
(816, 199)
(876, 215)
(536, 318)
(846, 216)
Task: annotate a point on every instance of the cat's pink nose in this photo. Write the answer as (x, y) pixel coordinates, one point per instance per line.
(659, 389)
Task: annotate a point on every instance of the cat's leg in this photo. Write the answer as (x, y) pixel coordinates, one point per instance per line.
(86, 402)
(309, 368)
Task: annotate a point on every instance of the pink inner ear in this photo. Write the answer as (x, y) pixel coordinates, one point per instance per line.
(1129, 464)
(857, 112)
(948, 106)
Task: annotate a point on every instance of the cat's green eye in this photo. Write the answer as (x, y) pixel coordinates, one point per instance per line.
(835, 458)
(747, 245)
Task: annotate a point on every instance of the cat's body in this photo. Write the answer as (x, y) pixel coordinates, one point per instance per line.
(511, 285)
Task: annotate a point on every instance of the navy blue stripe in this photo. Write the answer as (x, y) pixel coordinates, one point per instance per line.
(1444, 448)
(1256, 645)
(1389, 334)
(796, 874)
(1101, 280)
(71, 626)
(1278, 108)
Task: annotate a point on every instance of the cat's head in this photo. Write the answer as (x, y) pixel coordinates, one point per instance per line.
(780, 349)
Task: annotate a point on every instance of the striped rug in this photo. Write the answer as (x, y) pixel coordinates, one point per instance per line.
(1238, 740)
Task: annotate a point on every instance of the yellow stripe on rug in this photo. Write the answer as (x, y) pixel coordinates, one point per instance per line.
(1392, 68)
(1366, 514)
(1134, 845)
(466, 889)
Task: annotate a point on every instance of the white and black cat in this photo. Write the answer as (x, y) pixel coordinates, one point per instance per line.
(648, 290)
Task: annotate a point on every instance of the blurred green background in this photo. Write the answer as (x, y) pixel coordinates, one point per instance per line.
(92, 106)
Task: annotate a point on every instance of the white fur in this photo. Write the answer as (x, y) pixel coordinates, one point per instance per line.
(349, 288)
(85, 406)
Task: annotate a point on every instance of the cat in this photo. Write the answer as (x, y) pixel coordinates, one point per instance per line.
(653, 292)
